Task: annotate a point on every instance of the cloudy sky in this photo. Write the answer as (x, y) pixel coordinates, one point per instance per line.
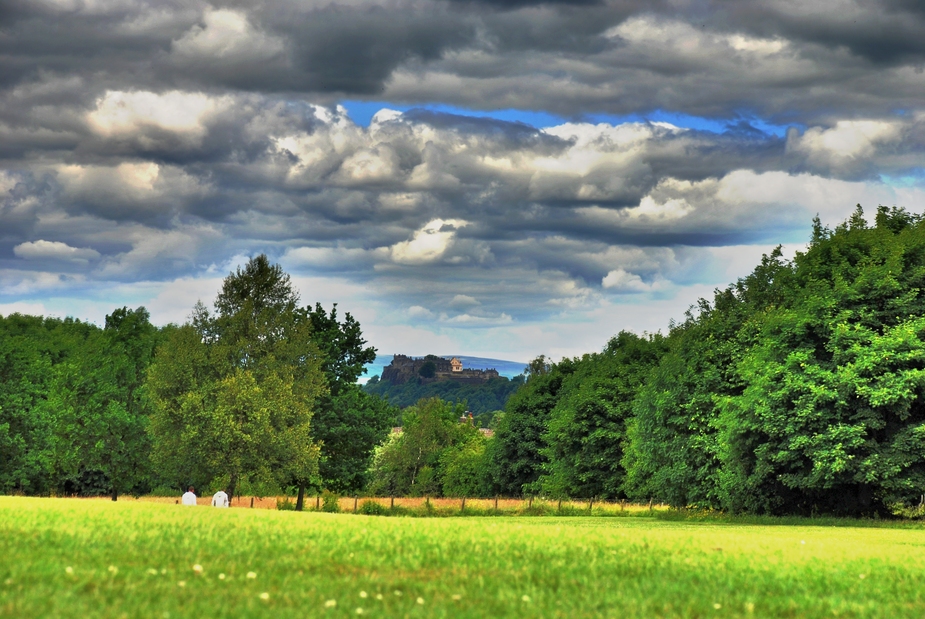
(495, 178)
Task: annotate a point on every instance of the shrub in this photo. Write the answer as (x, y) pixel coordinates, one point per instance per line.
(330, 502)
(370, 507)
(285, 505)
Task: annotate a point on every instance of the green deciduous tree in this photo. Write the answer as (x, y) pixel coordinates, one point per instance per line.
(517, 453)
(587, 427)
(234, 392)
(832, 417)
(96, 401)
(348, 422)
(409, 462)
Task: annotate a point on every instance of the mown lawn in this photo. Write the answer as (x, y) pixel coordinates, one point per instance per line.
(75, 558)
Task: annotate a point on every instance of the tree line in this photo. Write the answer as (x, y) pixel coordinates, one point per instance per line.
(797, 389)
(258, 394)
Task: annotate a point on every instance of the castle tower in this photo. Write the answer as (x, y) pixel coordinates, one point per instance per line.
(455, 365)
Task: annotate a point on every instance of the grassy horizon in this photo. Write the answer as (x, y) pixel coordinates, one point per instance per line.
(72, 558)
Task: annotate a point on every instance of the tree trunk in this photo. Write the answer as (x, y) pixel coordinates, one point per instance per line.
(300, 501)
(115, 494)
(232, 484)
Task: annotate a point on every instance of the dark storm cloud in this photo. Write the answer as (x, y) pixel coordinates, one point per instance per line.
(885, 33)
(796, 61)
(156, 140)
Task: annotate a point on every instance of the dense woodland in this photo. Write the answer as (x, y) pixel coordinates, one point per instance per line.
(797, 389)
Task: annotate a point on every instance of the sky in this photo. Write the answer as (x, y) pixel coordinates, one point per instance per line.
(493, 178)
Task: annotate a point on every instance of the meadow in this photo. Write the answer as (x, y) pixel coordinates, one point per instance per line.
(88, 559)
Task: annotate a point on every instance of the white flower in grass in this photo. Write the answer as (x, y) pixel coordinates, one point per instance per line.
(113, 569)
(378, 596)
(525, 598)
(363, 594)
(717, 606)
(397, 592)
(69, 570)
(359, 611)
(152, 571)
(420, 600)
(264, 596)
(182, 583)
(252, 575)
(221, 577)
(197, 568)
(330, 604)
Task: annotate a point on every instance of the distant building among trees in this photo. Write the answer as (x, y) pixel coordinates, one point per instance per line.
(432, 368)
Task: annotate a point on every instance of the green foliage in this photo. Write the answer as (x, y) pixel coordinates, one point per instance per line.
(587, 427)
(348, 423)
(464, 468)
(233, 394)
(428, 370)
(517, 454)
(372, 508)
(96, 399)
(832, 417)
(487, 397)
(330, 502)
(71, 415)
(285, 504)
(800, 389)
(409, 463)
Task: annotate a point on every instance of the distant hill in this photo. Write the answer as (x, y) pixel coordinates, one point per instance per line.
(480, 399)
(510, 369)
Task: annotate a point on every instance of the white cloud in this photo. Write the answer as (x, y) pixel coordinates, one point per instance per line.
(227, 35)
(121, 112)
(668, 210)
(477, 321)
(463, 300)
(621, 281)
(55, 250)
(419, 312)
(429, 244)
(847, 139)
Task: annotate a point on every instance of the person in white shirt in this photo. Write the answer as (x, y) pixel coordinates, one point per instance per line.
(220, 499)
(190, 497)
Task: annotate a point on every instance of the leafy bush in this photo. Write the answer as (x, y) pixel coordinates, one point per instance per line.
(285, 505)
(330, 502)
(370, 507)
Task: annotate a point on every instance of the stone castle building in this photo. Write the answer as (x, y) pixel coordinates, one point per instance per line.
(404, 368)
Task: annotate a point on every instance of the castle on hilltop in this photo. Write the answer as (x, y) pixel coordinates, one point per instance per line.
(432, 369)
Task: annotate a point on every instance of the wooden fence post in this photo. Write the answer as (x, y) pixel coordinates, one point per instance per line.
(317, 502)
(590, 503)
(391, 502)
(252, 502)
(559, 508)
(463, 506)
(356, 498)
(496, 502)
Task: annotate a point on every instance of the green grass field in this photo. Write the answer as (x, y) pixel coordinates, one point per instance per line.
(87, 558)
